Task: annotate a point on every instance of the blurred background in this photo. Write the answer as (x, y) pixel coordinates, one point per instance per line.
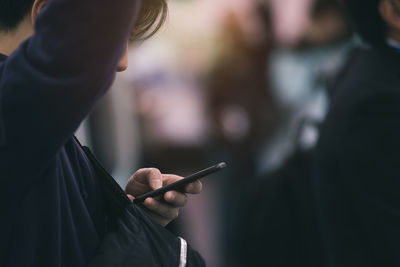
(240, 81)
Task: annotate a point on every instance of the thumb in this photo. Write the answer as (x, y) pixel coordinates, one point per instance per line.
(149, 176)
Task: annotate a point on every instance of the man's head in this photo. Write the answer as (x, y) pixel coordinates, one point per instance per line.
(375, 20)
(17, 18)
(151, 16)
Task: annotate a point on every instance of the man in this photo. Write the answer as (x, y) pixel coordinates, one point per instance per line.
(51, 77)
(339, 205)
(356, 177)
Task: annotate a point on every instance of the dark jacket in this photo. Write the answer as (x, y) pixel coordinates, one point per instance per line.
(339, 204)
(50, 206)
(356, 168)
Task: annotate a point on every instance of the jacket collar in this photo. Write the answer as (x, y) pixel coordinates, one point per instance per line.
(2, 57)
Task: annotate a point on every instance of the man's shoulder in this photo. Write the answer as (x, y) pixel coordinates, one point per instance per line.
(367, 94)
(376, 66)
(370, 75)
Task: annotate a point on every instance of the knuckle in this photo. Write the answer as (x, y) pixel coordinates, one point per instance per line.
(200, 185)
(172, 195)
(172, 213)
(185, 200)
(154, 172)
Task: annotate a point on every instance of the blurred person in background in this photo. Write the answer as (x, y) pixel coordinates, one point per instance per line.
(339, 205)
(239, 98)
(356, 166)
(276, 216)
(311, 63)
(57, 59)
(241, 108)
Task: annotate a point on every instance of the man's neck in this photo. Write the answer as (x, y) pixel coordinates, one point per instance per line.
(9, 41)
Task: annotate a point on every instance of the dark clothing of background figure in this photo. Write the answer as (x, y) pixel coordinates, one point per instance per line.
(339, 204)
(278, 221)
(356, 166)
(51, 208)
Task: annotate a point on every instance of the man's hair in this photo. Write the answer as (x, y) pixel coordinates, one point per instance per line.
(367, 20)
(12, 12)
(152, 16)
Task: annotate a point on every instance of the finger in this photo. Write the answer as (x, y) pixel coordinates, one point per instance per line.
(161, 209)
(148, 176)
(170, 178)
(194, 188)
(175, 198)
(130, 197)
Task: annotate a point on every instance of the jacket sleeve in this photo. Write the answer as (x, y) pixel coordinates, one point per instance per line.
(51, 82)
(133, 239)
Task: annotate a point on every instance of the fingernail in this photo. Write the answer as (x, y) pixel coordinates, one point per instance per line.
(156, 183)
(148, 202)
(170, 195)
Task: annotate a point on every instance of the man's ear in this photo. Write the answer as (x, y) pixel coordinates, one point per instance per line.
(38, 5)
(390, 14)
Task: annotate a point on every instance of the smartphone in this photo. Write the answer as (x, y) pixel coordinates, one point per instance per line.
(181, 183)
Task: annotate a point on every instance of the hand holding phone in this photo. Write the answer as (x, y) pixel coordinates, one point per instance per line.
(181, 183)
